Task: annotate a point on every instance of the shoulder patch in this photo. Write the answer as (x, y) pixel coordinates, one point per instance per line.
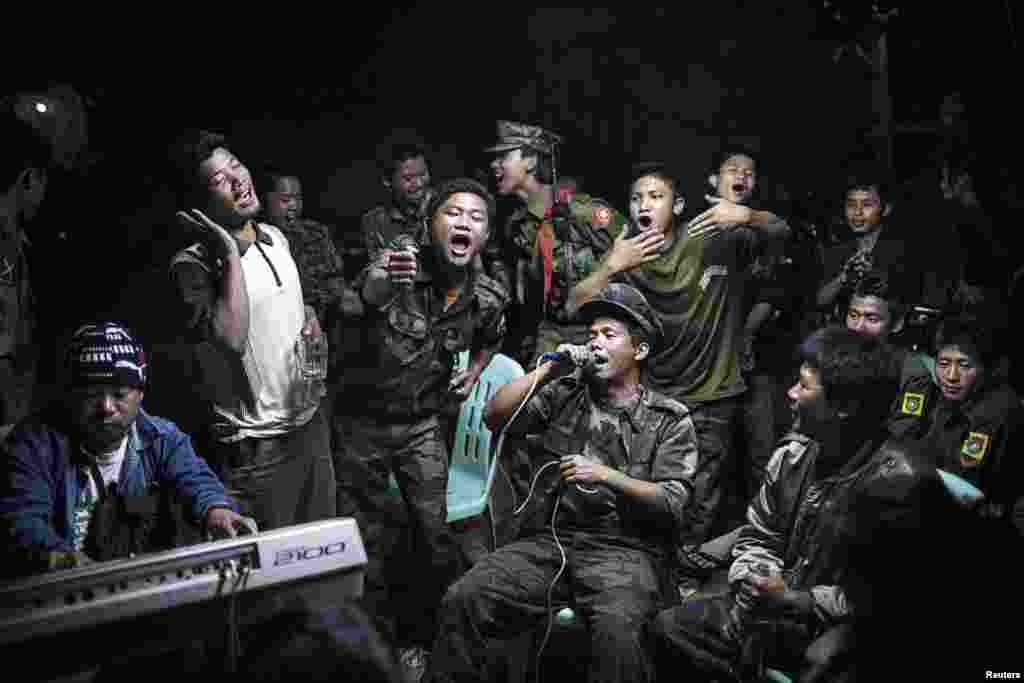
(912, 403)
(973, 450)
(596, 211)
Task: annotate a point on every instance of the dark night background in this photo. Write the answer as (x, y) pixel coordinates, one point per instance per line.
(760, 74)
(698, 77)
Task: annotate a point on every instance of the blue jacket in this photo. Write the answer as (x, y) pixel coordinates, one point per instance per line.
(41, 483)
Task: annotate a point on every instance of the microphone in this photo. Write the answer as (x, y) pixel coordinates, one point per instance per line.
(566, 357)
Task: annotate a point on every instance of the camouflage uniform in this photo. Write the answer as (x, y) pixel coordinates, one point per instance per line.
(394, 427)
(381, 225)
(583, 230)
(614, 547)
(578, 228)
(321, 270)
(378, 228)
(322, 274)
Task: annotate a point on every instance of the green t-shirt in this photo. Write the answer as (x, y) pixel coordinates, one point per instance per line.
(697, 290)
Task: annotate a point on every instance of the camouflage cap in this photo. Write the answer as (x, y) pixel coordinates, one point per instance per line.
(512, 135)
(617, 299)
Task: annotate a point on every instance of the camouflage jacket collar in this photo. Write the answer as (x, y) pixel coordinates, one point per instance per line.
(639, 411)
(427, 278)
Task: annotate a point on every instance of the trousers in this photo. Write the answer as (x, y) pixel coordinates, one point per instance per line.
(614, 588)
(412, 554)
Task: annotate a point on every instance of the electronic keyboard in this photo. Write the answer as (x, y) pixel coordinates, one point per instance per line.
(326, 558)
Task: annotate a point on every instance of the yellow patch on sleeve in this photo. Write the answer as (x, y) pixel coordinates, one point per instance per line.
(912, 404)
(974, 448)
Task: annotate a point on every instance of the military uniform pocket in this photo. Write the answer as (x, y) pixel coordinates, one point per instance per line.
(455, 339)
(406, 337)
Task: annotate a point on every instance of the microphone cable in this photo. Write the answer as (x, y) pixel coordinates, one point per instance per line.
(554, 514)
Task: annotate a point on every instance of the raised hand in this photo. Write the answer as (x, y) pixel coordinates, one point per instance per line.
(402, 266)
(208, 232)
(723, 214)
(580, 355)
(629, 251)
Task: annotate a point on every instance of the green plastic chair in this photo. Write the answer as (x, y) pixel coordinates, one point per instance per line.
(964, 492)
(472, 465)
(928, 362)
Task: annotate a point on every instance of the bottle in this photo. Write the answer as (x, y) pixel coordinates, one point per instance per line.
(311, 350)
(403, 292)
(405, 243)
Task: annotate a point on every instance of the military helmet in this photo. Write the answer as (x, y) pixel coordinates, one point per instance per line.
(617, 299)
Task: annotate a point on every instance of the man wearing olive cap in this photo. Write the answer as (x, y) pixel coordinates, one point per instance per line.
(554, 240)
(615, 466)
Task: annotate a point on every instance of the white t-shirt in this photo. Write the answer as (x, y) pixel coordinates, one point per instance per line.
(262, 393)
(109, 464)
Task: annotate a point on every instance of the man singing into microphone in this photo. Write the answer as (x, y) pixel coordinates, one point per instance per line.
(694, 275)
(615, 463)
